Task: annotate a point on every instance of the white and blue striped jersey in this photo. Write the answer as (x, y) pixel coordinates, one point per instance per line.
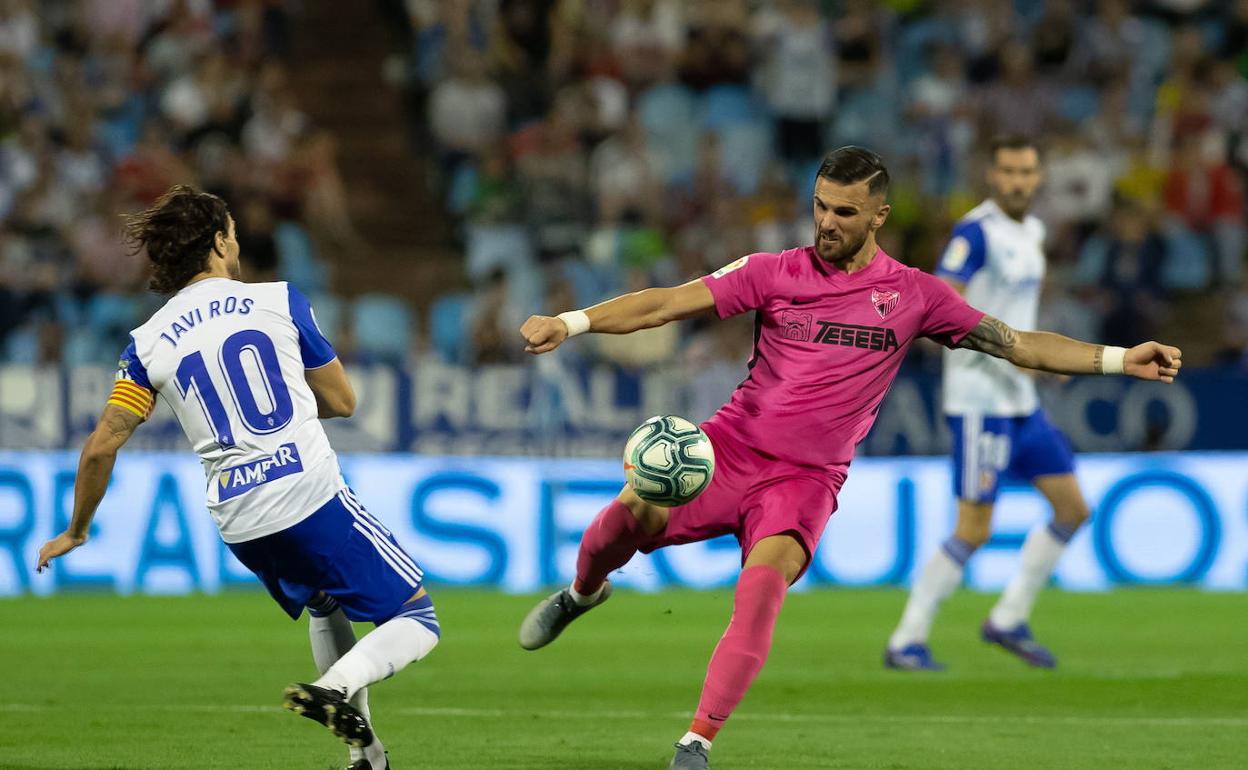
(1001, 262)
(229, 358)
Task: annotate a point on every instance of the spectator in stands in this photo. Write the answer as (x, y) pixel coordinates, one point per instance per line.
(493, 335)
(256, 246)
(859, 44)
(1078, 187)
(1206, 195)
(1125, 262)
(1234, 352)
(101, 258)
(798, 77)
(647, 37)
(467, 112)
(937, 107)
(1110, 41)
(717, 47)
(1017, 102)
(625, 175)
(19, 29)
(554, 176)
(714, 362)
(1055, 38)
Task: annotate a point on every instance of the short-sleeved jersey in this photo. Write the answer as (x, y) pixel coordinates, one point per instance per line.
(827, 346)
(229, 358)
(1001, 262)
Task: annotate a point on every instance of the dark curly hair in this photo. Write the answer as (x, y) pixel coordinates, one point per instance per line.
(178, 232)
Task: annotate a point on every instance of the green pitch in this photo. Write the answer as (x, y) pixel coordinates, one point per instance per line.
(1148, 679)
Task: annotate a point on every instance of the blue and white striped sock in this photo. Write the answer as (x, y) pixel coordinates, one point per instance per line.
(388, 649)
(421, 611)
(941, 575)
(1044, 545)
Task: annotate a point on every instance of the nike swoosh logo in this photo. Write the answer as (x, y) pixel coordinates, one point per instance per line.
(807, 301)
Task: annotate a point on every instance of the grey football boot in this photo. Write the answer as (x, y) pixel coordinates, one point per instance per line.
(553, 614)
(691, 756)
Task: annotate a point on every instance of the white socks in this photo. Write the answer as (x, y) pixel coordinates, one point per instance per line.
(1041, 550)
(942, 574)
(380, 654)
(332, 637)
(581, 599)
(692, 737)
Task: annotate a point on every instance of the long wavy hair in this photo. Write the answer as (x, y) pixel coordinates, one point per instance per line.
(178, 233)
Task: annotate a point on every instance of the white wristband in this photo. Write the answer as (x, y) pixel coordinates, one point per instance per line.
(1113, 360)
(577, 321)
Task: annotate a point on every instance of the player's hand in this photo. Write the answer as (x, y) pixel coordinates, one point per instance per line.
(543, 333)
(57, 546)
(1153, 361)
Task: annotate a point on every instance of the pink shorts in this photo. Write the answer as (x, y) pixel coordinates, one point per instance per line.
(753, 496)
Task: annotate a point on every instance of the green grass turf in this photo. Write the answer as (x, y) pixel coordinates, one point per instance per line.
(1148, 679)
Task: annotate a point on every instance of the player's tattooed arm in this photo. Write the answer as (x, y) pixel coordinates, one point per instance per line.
(95, 466)
(1051, 352)
(992, 337)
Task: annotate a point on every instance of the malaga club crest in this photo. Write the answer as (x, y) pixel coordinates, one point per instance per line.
(884, 301)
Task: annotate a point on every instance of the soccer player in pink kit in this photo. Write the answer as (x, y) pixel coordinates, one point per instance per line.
(833, 322)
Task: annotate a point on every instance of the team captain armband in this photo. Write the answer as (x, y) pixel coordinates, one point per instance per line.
(132, 397)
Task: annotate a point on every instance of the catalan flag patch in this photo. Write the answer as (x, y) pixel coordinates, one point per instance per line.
(133, 397)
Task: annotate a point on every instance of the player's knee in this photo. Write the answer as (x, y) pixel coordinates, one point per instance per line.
(653, 518)
(974, 523)
(783, 553)
(975, 533)
(1073, 514)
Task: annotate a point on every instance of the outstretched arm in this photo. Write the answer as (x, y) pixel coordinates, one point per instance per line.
(627, 313)
(1054, 353)
(115, 428)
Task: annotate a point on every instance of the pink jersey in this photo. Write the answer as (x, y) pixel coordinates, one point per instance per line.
(827, 345)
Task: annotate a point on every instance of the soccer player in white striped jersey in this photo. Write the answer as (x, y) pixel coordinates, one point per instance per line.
(996, 260)
(248, 373)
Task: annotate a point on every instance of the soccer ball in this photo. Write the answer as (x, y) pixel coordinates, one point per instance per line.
(668, 461)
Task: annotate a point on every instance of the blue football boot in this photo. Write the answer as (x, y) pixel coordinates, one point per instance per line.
(912, 657)
(1019, 641)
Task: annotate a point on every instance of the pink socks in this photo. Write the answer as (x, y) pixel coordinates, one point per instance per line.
(741, 652)
(609, 542)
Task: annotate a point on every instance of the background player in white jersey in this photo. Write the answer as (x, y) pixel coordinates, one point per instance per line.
(247, 372)
(996, 259)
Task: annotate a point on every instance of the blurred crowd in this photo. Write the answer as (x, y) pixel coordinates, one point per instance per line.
(104, 104)
(589, 147)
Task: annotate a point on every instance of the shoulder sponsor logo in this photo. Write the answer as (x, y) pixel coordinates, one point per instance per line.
(956, 253)
(728, 268)
(244, 478)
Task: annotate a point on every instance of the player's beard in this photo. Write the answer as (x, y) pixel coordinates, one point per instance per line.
(839, 252)
(1015, 203)
(235, 268)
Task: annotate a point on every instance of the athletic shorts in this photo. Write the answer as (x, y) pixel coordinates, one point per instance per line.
(985, 447)
(341, 550)
(753, 496)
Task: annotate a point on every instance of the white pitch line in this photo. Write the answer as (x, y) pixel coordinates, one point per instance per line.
(472, 713)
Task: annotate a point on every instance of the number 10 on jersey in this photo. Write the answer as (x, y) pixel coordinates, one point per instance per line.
(239, 349)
